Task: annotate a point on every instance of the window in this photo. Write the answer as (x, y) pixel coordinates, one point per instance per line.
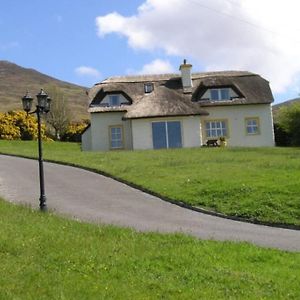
(114, 100)
(216, 129)
(116, 137)
(166, 134)
(252, 126)
(220, 94)
(148, 87)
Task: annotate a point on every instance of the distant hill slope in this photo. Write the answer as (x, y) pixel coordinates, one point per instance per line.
(16, 80)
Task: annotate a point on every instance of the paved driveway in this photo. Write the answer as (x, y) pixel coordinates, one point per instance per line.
(93, 197)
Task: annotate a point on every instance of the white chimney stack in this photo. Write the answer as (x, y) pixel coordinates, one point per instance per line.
(186, 77)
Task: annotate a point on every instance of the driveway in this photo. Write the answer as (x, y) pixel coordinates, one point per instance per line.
(94, 198)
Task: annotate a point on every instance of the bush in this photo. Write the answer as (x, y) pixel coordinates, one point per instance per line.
(74, 131)
(289, 122)
(17, 125)
(282, 138)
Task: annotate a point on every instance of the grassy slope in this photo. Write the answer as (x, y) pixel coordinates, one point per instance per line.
(47, 257)
(261, 184)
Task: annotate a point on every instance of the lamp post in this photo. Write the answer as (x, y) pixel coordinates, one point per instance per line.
(43, 106)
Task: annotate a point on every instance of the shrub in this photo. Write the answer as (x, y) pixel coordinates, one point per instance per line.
(289, 122)
(17, 125)
(282, 137)
(74, 131)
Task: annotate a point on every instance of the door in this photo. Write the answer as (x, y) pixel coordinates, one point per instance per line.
(166, 134)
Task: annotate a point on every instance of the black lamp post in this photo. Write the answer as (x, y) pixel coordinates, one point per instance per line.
(43, 106)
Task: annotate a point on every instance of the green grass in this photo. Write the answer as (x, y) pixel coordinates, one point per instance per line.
(254, 183)
(47, 257)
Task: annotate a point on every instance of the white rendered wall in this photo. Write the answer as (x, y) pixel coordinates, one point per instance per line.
(142, 131)
(100, 126)
(235, 117)
(86, 140)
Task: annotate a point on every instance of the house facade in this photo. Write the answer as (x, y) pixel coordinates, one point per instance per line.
(180, 110)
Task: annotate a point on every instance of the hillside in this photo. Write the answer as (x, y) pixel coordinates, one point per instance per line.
(16, 80)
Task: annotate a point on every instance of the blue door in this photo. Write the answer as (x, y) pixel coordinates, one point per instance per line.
(159, 135)
(166, 134)
(174, 134)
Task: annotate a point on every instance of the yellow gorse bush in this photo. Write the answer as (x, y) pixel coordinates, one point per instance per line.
(17, 125)
(74, 131)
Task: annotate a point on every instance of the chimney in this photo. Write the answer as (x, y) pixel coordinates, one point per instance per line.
(186, 77)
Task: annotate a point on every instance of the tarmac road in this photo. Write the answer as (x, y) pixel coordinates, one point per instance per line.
(94, 198)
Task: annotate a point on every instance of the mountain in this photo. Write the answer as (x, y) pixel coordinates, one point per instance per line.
(16, 80)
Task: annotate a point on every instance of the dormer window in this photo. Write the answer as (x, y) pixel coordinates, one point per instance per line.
(115, 100)
(148, 88)
(220, 94)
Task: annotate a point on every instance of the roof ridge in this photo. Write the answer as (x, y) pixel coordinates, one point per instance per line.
(168, 76)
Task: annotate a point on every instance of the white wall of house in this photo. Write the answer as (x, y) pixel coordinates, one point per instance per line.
(235, 117)
(142, 131)
(86, 140)
(100, 126)
(138, 132)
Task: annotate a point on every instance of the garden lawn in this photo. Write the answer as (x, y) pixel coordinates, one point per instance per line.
(254, 183)
(47, 257)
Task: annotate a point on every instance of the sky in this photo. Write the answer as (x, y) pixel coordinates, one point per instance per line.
(86, 41)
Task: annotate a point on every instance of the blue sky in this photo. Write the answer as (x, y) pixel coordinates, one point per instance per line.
(84, 42)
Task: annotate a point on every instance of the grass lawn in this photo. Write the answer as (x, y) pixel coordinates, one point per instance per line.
(47, 257)
(255, 183)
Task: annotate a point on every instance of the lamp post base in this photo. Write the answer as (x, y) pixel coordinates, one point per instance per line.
(43, 205)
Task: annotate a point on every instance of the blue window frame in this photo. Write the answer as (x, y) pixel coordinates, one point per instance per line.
(166, 134)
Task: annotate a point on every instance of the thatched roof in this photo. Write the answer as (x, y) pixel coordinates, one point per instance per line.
(168, 98)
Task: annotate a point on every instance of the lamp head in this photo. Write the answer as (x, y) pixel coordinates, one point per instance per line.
(27, 102)
(42, 99)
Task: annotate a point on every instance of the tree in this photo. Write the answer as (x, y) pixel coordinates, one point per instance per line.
(60, 115)
(289, 121)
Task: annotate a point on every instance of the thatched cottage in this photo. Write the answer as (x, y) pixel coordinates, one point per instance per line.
(180, 110)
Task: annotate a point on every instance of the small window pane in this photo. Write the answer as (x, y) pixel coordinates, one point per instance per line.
(114, 100)
(224, 94)
(148, 87)
(214, 94)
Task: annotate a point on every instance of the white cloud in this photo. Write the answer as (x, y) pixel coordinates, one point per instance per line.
(157, 66)
(256, 35)
(87, 71)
